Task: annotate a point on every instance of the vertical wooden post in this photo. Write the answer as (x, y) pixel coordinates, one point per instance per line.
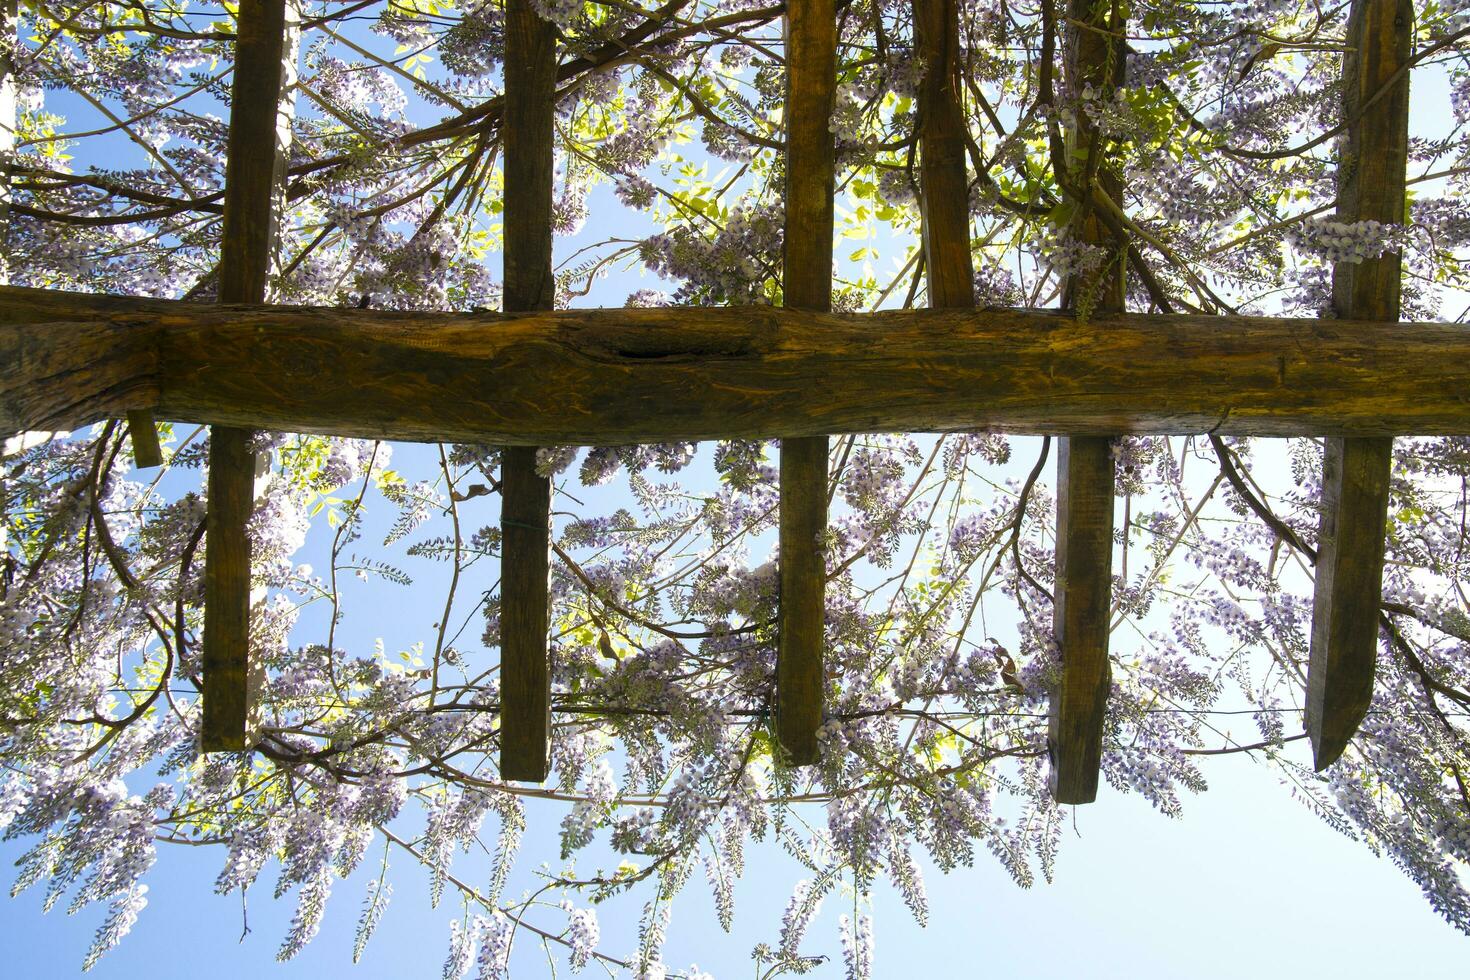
(243, 272)
(1080, 615)
(1370, 187)
(811, 84)
(1080, 619)
(944, 188)
(146, 449)
(527, 131)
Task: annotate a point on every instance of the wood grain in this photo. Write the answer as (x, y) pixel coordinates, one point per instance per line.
(244, 267)
(527, 130)
(1349, 578)
(146, 450)
(802, 614)
(1096, 56)
(525, 498)
(226, 661)
(1080, 616)
(525, 677)
(811, 86)
(250, 166)
(1371, 185)
(811, 80)
(654, 375)
(944, 187)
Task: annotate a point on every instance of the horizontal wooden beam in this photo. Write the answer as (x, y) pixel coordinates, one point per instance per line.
(650, 375)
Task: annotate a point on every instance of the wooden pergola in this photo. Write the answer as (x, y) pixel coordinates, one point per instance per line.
(533, 376)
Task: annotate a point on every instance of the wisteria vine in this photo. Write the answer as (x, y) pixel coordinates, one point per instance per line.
(940, 551)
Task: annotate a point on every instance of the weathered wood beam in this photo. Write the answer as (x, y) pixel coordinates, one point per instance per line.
(144, 434)
(227, 691)
(1371, 182)
(525, 675)
(250, 170)
(811, 82)
(944, 187)
(525, 497)
(1085, 473)
(657, 375)
(1080, 616)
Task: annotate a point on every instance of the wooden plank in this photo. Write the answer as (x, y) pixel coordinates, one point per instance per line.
(1080, 616)
(756, 372)
(526, 134)
(525, 498)
(1349, 587)
(1085, 471)
(252, 161)
(811, 82)
(525, 676)
(944, 187)
(226, 652)
(801, 616)
(1096, 56)
(1371, 184)
(146, 450)
(250, 179)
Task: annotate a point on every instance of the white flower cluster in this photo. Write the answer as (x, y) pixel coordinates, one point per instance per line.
(897, 187)
(560, 12)
(857, 946)
(583, 934)
(1112, 116)
(1342, 241)
(846, 123)
(1066, 256)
